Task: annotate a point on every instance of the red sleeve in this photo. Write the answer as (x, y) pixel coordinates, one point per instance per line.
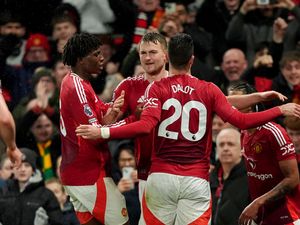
(280, 142)
(241, 120)
(144, 126)
(117, 92)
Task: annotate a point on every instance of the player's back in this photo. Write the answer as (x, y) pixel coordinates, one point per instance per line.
(184, 132)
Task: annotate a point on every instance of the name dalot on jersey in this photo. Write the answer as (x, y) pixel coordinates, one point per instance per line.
(184, 89)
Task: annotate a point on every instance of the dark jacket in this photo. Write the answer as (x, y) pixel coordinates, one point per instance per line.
(19, 208)
(234, 196)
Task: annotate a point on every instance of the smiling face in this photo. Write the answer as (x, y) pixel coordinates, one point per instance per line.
(234, 64)
(153, 57)
(291, 72)
(42, 129)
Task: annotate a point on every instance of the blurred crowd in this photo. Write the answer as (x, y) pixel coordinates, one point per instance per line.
(235, 40)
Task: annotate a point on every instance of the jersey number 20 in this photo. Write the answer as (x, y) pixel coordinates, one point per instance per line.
(183, 113)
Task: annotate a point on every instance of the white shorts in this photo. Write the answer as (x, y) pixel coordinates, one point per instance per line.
(142, 186)
(102, 201)
(173, 199)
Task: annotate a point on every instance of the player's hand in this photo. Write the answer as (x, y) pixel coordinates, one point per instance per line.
(118, 103)
(15, 156)
(88, 132)
(249, 213)
(271, 95)
(290, 109)
(138, 110)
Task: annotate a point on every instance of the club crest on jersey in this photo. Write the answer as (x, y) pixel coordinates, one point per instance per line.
(87, 110)
(257, 148)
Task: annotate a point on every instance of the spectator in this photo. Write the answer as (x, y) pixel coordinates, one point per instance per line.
(65, 23)
(69, 216)
(288, 81)
(127, 183)
(292, 125)
(96, 16)
(6, 169)
(233, 66)
(214, 16)
(37, 54)
(42, 99)
(24, 199)
(228, 181)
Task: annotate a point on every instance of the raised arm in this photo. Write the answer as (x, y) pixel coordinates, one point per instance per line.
(245, 101)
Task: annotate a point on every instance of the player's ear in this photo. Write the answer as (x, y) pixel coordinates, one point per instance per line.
(191, 61)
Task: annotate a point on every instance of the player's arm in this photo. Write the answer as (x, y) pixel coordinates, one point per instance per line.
(290, 172)
(245, 101)
(8, 133)
(131, 130)
(248, 120)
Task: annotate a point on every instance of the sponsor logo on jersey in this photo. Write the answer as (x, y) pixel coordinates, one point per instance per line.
(261, 177)
(288, 149)
(151, 102)
(257, 148)
(141, 99)
(87, 110)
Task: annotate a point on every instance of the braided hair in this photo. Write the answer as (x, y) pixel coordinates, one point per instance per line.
(246, 88)
(79, 46)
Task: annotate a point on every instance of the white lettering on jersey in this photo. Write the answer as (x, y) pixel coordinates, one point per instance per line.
(151, 102)
(180, 88)
(287, 149)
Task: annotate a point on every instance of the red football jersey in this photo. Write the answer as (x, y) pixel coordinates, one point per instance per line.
(182, 107)
(134, 88)
(82, 160)
(263, 150)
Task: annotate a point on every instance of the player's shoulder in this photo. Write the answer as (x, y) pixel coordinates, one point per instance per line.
(132, 81)
(272, 129)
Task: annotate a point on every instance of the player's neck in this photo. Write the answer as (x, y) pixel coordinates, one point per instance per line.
(174, 72)
(163, 73)
(80, 73)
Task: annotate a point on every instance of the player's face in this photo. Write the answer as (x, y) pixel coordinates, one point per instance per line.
(153, 57)
(291, 72)
(93, 63)
(42, 129)
(228, 148)
(24, 172)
